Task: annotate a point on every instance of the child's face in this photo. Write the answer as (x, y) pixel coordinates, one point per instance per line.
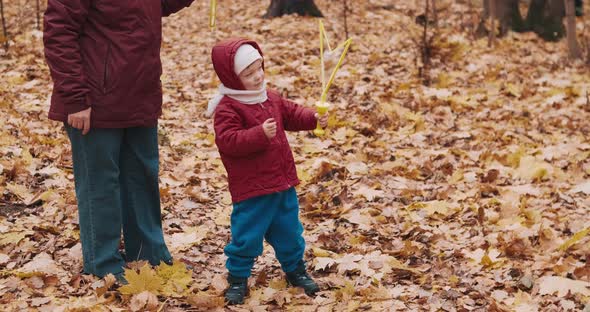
(253, 76)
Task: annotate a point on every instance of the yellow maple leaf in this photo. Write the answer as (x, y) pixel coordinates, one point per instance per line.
(319, 252)
(147, 279)
(304, 176)
(514, 158)
(444, 80)
(456, 177)
(486, 261)
(345, 292)
(13, 237)
(418, 120)
(531, 168)
(574, 239)
(513, 90)
(176, 278)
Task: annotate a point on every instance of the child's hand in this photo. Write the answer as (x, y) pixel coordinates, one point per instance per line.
(270, 128)
(323, 119)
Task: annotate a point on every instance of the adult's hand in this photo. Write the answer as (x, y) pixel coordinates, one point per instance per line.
(80, 120)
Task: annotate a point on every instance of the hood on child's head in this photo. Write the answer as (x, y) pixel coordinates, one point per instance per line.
(223, 54)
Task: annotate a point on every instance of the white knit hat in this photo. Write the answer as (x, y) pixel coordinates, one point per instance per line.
(245, 56)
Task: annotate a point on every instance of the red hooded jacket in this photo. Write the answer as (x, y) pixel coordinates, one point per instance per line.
(105, 54)
(255, 165)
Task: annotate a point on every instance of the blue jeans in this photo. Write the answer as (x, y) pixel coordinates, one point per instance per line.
(274, 217)
(116, 178)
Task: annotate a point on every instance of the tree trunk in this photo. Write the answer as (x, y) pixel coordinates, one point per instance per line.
(492, 37)
(38, 15)
(345, 19)
(572, 41)
(545, 18)
(302, 7)
(4, 32)
(507, 14)
(434, 13)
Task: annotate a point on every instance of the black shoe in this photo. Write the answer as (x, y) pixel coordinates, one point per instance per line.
(300, 278)
(171, 262)
(237, 290)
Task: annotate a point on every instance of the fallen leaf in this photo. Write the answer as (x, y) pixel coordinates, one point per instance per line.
(185, 240)
(574, 239)
(13, 237)
(549, 285)
(145, 280)
(42, 263)
(369, 193)
(176, 278)
(581, 188)
(322, 263)
(204, 300)
(144, 301)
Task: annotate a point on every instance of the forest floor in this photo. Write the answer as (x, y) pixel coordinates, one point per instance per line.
(465, 189)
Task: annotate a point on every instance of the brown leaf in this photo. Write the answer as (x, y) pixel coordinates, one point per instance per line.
(144, 301)
(204, 300)
(261, 279)
(491, 176)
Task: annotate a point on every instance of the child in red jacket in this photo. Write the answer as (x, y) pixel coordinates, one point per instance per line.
(250, 125)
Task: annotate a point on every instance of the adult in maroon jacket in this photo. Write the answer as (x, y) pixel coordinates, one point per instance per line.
(104, 58)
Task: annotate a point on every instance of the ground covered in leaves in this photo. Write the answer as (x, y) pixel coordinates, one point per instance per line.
(469, 194)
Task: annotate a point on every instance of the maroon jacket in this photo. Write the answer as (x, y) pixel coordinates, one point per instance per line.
(105, 54)
(255, 165)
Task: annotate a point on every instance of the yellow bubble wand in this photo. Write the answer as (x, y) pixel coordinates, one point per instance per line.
(212, 12)
(322, 106)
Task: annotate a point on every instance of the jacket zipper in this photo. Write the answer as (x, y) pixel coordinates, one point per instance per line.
(283, 163)
(106, 69)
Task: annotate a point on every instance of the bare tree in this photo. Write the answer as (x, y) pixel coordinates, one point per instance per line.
(4, 31)
(544, 17)
(434, 13)
(425, 44)
(38, 15)
(345, 20)
(492, 36)
(572, 41)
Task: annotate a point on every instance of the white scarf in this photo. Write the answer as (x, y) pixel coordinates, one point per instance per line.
(248, 97)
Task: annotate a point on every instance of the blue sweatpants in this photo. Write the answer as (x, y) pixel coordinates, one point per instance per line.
(274, 217)
(116, 177)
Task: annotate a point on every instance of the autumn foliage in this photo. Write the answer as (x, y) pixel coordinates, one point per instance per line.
(470, 194)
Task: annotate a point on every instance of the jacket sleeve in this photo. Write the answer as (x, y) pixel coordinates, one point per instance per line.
(63, 22)
(297, 117)
(232, 139)
(173, 6)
